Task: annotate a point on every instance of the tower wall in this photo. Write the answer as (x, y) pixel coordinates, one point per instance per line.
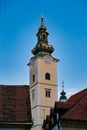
(40, 103)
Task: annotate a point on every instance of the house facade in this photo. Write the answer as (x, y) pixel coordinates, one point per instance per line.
(15, 108)
(69, 115)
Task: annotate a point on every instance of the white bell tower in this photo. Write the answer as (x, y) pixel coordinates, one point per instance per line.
(43, 78)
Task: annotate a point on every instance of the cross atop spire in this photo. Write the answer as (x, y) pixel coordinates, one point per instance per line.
(62, 86)
(42, 20)
(42, 26)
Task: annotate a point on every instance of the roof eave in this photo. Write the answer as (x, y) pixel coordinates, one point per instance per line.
(17, 123)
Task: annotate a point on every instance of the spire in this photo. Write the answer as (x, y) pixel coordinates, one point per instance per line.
(62, 86)
(42, 21)
(63, 97)
(42, 24)
(42, 47)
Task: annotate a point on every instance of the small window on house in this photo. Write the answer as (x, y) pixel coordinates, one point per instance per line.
(47, 93)
(33, 94)
(33, 78)
(47, 76)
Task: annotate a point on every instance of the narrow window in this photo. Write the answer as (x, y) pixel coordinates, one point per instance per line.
(33, 78)
(33, 94)
(47, 76)
(43, 36)
(47, 93)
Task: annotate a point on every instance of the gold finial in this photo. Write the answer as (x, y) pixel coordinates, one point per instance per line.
(42, 20)
(62, 85)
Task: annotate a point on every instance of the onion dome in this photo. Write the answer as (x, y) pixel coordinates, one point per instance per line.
(42, 47)
(63, 97)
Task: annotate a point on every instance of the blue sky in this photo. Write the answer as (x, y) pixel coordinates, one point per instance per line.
(66, 22)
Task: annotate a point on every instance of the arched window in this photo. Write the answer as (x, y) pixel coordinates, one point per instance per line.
(47, 76)
(43, 36)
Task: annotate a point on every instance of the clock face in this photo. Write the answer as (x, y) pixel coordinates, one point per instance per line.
(47, 59)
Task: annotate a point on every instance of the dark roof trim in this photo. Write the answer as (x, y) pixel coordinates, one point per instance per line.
(73, 120)
(16, 123)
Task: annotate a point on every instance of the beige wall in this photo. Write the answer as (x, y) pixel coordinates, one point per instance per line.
(40, 98)
(48, 101)
(41, 104)
(51, 68)
(40, 68)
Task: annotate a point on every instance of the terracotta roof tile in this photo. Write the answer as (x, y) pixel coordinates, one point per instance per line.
(64, 105)
(76, 97)
(75, 108)
(15, 103)
(78, 111)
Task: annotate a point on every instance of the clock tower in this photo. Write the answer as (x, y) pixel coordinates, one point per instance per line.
(43, 78)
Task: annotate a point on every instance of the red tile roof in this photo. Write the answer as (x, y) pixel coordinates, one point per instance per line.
(78, 111)
(64, 105)
(75, 108)
(76, 97)
(15, 103)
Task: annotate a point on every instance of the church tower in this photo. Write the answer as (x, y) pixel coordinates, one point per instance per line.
(43, 78)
